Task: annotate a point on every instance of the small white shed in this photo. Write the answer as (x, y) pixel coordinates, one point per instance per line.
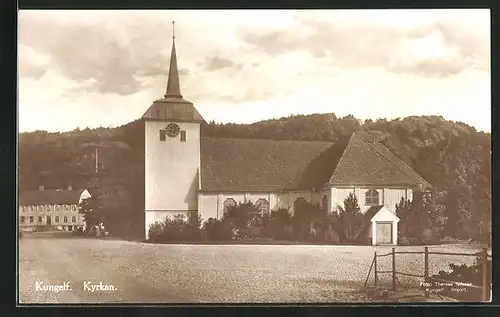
(384, 227)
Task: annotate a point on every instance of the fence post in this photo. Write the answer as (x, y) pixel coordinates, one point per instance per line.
(486, 284)
(375, 269)
(426, 268)
(393, 269)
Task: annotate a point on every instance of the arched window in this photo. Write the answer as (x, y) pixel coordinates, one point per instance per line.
(230, 202)
(262, 205)
(324, 203)
(371, 198)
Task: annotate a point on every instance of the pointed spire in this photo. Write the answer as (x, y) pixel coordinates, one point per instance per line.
(173, 88)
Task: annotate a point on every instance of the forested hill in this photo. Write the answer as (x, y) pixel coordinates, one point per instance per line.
(454, 157)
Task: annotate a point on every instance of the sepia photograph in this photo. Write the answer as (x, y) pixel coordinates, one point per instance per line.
(254, 156)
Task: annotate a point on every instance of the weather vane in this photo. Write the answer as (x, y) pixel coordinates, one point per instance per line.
(173, 30)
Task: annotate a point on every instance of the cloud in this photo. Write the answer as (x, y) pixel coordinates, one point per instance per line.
(94, 55)
(366, 44)
(216, 63)
(251, 57)
(32, 64)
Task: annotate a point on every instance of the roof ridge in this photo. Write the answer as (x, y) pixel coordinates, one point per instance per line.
(272, 140)
(389, 160)
(341, 157)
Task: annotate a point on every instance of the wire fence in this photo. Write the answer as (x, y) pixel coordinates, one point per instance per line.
(415, 270)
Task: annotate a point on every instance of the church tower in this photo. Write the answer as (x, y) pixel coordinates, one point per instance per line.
(172, 152)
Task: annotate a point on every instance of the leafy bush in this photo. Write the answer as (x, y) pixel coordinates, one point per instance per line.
(177, 228)
(192, 230)
(217, 230)
(242, 215)
(420, 221)
(467, 274)
(349, 222)
(305, 215)
(277, 226)
(156, 231)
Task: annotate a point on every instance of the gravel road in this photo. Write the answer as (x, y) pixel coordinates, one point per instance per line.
(148, 273)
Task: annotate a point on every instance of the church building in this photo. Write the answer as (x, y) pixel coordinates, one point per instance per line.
(186, 172)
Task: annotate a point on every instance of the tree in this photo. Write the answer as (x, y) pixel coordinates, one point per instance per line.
(241, 215)
(279, 221)
(350, 219)
(420, 219)
(458, 212)
(304, 218)
(90, 208)
(403, 211)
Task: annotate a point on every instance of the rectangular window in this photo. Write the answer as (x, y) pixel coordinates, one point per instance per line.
(57, 219)
(65, 219)
(39, 219)
(183, 136)
(73, 219)
(162, 135)
(22, 219)
(31, 219)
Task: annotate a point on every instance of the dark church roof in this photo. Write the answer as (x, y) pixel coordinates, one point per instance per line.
(172, 109)
(367, 162)
(49, 197)
(250, 165)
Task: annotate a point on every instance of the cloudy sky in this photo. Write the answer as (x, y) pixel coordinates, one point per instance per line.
(105, 68)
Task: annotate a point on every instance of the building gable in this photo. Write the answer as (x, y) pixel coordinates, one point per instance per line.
(366, 162)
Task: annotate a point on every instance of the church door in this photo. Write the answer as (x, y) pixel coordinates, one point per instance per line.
(384, 232)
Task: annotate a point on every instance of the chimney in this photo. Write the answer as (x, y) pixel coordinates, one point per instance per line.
(70, 187)
(41, 188)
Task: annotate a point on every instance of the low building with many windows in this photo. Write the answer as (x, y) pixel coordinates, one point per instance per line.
(51, 208)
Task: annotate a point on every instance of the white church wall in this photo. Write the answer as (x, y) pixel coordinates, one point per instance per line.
(172, 168)
(409, 194)
(388, 197)
(337, 196)
(212, 204)
(207, 206)
(392, 196)
(288, 198)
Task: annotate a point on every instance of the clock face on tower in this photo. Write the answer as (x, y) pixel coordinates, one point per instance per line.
(172, 130)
